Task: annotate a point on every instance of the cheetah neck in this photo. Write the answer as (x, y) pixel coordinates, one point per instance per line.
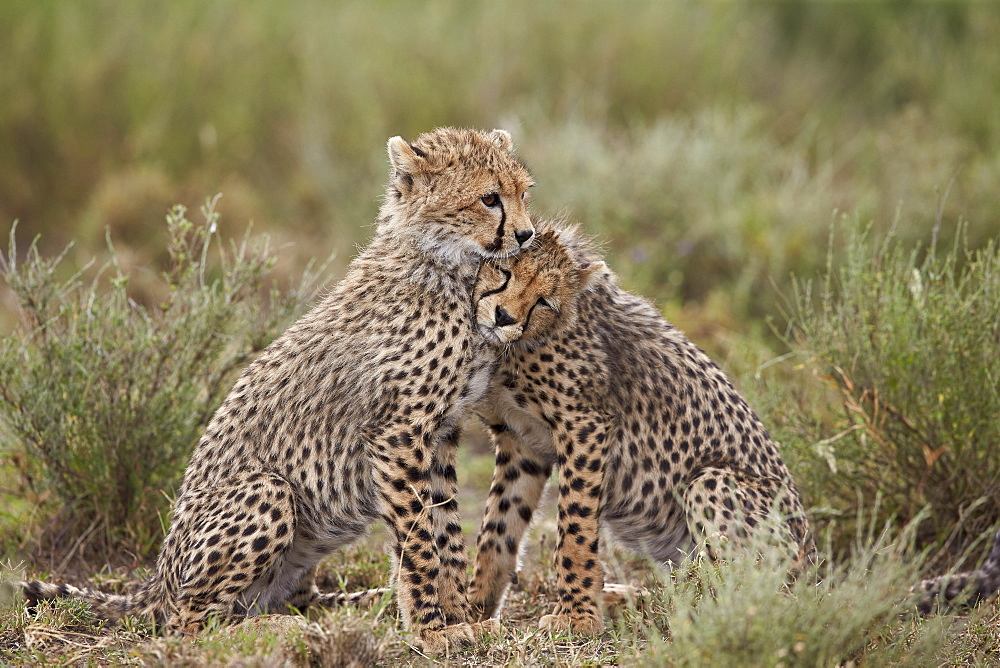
(410, 263)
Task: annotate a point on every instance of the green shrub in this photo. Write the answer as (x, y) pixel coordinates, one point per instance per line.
(101, 398)
(744, 611)
(909, 340)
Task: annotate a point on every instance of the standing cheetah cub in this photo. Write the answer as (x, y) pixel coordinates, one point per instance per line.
(352, 414)
(648, 435)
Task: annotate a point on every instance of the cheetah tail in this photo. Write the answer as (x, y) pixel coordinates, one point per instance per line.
(106, 606)
(991, 567)
(958, 590)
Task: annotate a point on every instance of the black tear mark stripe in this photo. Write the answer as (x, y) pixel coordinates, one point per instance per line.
(527, 319)
(506, 280)
(503, 219)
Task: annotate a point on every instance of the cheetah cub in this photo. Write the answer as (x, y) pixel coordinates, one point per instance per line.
(648, 435)
(352, 414)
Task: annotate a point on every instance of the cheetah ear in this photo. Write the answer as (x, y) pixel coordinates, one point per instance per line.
(591, 272)
(502, 139)
(405, 158)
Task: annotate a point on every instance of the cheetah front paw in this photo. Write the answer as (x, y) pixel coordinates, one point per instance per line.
(447, 639)
(579, 623)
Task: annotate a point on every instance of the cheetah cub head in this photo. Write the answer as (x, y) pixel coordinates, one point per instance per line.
(524, 300)
(460, 194)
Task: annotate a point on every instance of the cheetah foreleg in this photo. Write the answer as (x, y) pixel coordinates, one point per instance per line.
(447, 532)
(403, 457)
(582, 449)
(519, 479)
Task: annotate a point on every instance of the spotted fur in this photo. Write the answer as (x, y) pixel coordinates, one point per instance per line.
(351, 415)
(957, 590)
(648, 435)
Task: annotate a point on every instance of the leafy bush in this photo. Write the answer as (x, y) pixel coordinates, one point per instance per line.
(910, 342)
(101, 398)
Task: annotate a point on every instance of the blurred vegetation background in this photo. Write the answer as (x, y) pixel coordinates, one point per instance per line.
(707, 144)
(711, 147)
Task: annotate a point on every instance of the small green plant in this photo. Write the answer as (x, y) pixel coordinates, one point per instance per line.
(745, 611)
(909, 340)
(103, 398)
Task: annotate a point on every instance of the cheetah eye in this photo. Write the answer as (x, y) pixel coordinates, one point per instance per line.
(490, 200)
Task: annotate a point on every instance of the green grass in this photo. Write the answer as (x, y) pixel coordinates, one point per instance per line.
(742, 611)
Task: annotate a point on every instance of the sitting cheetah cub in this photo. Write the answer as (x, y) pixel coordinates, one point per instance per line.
(352, 414)
(649, 436)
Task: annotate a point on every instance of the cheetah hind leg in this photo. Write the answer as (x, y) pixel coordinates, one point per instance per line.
(237, 569)
(723, 508)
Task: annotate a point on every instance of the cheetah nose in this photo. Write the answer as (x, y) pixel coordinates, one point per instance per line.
(503, 318)
(522, 236)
